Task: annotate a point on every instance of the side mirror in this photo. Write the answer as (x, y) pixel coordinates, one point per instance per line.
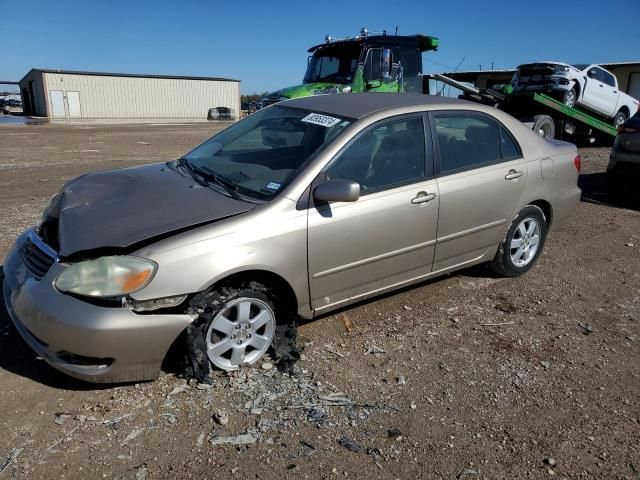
(591, 73)
(337, 191)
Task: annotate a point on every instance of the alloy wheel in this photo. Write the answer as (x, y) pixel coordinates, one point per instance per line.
(525, 242)
(240, 333)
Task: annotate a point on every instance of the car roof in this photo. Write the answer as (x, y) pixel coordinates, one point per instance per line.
(358, 105)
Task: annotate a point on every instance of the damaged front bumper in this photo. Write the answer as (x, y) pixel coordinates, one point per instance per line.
(547, 84)
(84, 340)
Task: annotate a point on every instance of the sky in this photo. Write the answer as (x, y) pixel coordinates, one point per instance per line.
(264, 43)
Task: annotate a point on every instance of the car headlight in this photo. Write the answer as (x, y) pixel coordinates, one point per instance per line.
(107, 276)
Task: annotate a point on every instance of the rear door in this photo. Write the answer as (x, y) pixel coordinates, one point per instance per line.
(481, 177)
(387, 237)
(596, 94)
(610, 94)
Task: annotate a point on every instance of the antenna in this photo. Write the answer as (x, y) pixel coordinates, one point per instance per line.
(396, 30)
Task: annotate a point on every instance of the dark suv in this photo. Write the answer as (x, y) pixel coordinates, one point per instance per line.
(624, 161)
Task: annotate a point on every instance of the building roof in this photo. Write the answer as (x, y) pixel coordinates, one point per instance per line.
(130, 75)
(358, 105)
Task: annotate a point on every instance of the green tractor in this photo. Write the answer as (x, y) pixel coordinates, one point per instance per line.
(374, 62)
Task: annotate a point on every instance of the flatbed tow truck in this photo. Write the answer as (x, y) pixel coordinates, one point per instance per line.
(545, 115)
(379, 62)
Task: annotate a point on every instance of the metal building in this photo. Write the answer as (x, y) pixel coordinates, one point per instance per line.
(71, 94)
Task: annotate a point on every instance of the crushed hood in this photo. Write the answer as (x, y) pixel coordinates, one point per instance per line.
(120, 208)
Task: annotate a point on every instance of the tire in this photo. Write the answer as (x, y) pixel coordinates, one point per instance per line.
(508, 262)
(570, 97)
(619, 118)
(235, 327)
(544, 126)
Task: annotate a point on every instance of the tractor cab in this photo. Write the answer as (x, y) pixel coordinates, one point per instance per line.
(365, 63)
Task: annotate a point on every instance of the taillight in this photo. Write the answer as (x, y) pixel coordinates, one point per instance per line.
(624, 129)
(577, 162)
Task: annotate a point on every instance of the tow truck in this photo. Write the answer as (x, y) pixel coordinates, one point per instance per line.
(368, 62)
(380, 62)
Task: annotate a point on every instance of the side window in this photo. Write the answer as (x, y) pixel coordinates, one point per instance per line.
(596, 74)
(608, 79)
(467, 140)
(385, 155)
(508, 146)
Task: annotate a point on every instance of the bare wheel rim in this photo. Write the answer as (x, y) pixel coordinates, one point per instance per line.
(570, 98)
(240, 333)
(525, 242)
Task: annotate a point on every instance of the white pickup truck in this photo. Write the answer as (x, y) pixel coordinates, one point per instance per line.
(589, 86)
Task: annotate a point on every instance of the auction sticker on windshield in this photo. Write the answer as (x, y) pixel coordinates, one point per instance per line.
(322, 120)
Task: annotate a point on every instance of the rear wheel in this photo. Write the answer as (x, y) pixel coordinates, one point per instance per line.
(544, 126)
(619, 119)
(523, 243)
(570, 97)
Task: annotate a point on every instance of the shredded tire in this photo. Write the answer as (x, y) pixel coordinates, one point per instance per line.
(207, 305)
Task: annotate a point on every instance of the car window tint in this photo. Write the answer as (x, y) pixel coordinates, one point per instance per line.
(466, 141)
(508, 146)
(596, 74)
(608, 79)
(386, 155)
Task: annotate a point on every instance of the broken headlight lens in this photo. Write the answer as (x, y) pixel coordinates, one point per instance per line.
(106, 276)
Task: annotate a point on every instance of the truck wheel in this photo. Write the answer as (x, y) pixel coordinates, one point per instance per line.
(619, 119)
(544, 126)
(569, 98)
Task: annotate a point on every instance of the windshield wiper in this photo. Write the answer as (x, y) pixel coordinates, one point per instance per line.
(209, 176)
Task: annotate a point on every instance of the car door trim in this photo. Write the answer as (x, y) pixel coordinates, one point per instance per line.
(471, 231)
(377, 258)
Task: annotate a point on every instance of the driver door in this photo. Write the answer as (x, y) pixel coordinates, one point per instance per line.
(385, 238)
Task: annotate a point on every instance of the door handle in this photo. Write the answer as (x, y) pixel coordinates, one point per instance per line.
(423, 197)
(513, 174)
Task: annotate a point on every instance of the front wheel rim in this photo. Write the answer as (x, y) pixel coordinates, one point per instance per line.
(241, 333)
(525, 242)
(620, 119)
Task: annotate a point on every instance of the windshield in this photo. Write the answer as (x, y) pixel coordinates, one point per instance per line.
(258, 156)
(332, 65)
(580, 66)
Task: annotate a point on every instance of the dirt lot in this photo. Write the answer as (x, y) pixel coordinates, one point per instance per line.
(469, 376)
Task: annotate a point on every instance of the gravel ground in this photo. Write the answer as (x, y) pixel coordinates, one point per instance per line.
(468, 376)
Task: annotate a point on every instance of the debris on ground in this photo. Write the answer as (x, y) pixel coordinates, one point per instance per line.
(10, 459)
(350, 444)
(244, 439)
(348, 325)
(221, 417)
